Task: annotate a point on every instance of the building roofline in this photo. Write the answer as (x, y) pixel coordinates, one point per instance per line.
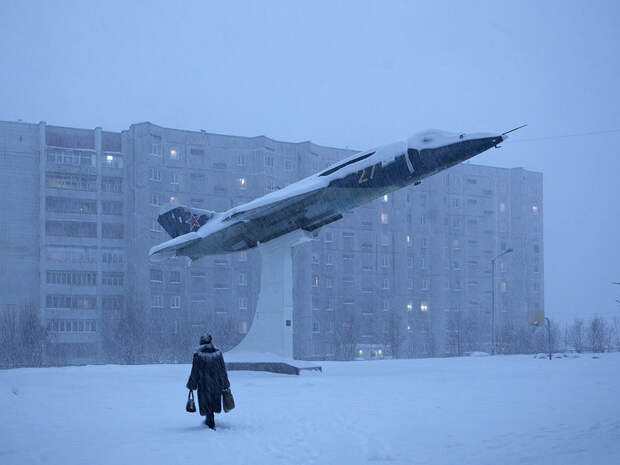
(262, 136)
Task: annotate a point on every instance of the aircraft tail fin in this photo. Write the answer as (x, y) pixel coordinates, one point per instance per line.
(179, 219)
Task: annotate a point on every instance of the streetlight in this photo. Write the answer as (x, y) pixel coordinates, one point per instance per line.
(507, 251)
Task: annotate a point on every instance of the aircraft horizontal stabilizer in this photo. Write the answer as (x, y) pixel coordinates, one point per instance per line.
(172, 247)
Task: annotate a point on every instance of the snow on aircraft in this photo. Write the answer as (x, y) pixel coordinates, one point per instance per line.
(319, 199)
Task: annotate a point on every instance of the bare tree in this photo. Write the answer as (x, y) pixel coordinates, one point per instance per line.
(615, 333)
(9, 338)
(576, 335)
(395, 332)
(455, 333)
(347, 334)
(23, 337)
(34, 336)
(598, 334)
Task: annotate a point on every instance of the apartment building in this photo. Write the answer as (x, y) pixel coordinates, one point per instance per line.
(409, 273)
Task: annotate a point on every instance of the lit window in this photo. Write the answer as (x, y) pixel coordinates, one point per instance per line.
(410, 307)
(173, 199)
(535, 209)
(384, 218)
(408, 327)
(242, 183)
(502, 207)
(408, 240)
(109, 159)
(424, 307)
(174, 154)
(386, 198)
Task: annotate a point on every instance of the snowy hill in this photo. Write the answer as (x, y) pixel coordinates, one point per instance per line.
(482, 410)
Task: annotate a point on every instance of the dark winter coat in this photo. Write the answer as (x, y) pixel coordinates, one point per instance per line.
(209, 377)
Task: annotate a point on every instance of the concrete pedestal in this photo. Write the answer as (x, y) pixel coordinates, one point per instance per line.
(270, 337)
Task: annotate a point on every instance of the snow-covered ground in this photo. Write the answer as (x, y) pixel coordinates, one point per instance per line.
(478, 410)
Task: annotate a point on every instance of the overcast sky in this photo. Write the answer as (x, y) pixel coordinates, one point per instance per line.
(355, 74)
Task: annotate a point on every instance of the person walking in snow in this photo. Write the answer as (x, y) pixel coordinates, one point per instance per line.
(210, 378)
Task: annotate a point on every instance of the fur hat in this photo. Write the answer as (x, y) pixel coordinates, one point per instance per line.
(205, 339)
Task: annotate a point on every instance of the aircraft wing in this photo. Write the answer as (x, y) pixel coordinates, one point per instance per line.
(266, 220)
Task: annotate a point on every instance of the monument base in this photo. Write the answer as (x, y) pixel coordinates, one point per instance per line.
(248, 361)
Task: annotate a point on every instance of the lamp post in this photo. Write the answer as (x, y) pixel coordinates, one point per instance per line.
(507, 251)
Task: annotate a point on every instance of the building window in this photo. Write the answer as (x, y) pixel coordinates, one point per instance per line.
(243, 303)
(71, 301)
(112, 161)
(503, 286)
(386, 305)
(156, 301)
(240, 160)
(385, 261)
(175, 301)
(269, 161)
(71, 228)
(72, 278)
(329, 236)
(112, 230)
(157, 276)
(175, 277)
(113, 278)
(112, 207)
(174, 154)
(385, 284)
(425, 285)
(384, 218)
(410, 283)
(242, 256)
(156, 149)
(155, 226)
(109, 184)
(410, 261)
(71, 181)
(172, 199)
(243, 279)
(242, 184)
(155, 199)
(288, 164)
(410, 306)
(424, 306)
(316, 327)
(386, 198)
(315, 259)
(154, 174)
(502, 207)
(315, 280)
(535, 209)
(71, 205)
(176, 178)
(408, 240)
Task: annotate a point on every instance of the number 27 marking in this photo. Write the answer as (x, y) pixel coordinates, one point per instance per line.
(363, 177)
